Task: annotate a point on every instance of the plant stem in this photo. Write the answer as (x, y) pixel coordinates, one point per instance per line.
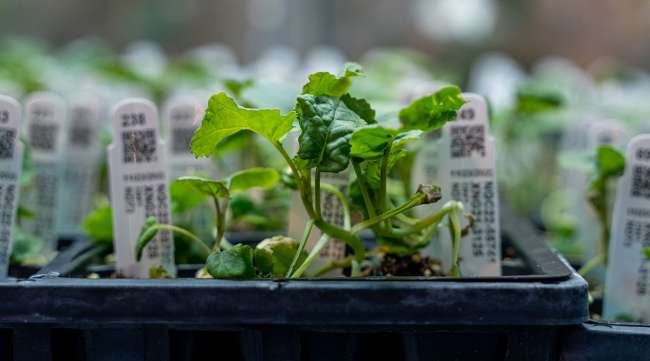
(383, 176)
(334, 264)
(301, 247)
(370, 207)
(425, 222)
(317, 192)
(312, 255)
(302, 181)
(221, 223)
(591, 264)
(455, 229)
(185, 233)
(414, 201)
(347, 236)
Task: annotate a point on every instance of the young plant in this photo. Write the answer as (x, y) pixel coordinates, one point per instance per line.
(610, 164)
(336, 130)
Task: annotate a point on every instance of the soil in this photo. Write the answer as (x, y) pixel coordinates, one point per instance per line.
(411, 265)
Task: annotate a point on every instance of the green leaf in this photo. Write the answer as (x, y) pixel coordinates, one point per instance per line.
(236, 87)
(533, 100)
(432, 111)
(370, 142)
(265, 178)
(26, 248)
(264, 261)
(324, 83)
(147, 233)
(646, 253)
(212, 188)
(233, 263)
(280, 251)
(184, 197)
(610, 162)
(361, 107)
(327, 125)
(224, 117)
(99, 224)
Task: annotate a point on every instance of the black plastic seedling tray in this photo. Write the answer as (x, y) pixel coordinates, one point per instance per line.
(521, 316)
(607, 341)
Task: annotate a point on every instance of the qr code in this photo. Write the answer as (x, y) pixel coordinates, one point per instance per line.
(641, 182)
(43, 136)
(7, 142)
(467, 140)
(81, 136)
(139, 146)
(181, 140)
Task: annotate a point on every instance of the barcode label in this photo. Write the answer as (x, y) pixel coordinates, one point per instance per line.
(468, 174)
(628, 272)
(599, 132)
(139, 188)
(332, 212)
(11, 155)
(46, 132)
(82, 158)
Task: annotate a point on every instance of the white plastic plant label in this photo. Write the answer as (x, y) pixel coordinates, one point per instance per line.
(139, 188)
(181, 116)
(599, 132)
(45, 115)
(81, 165)
(627, 287)
(468, 174)
(11, 159)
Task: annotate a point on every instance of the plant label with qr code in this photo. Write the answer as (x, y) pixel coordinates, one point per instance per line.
(468, 174)
(181, 116)
(139, 187)
(627, 287)
(81, 164)
(11, 159)
(46, 122)
(599, 132)
(332, 211)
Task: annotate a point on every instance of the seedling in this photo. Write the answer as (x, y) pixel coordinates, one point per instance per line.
(610, 164)
(337, 131)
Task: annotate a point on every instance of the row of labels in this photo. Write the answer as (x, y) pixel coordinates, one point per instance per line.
(65, 148)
